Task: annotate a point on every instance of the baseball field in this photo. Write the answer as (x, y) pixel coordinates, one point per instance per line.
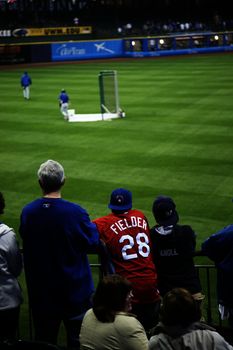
(176, 138)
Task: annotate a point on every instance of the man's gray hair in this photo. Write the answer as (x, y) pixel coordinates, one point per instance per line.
(51, 170)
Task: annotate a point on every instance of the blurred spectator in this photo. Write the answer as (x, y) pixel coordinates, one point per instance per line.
(110, 325)
(187, 26)
(182, 26)
(76, 21)
(10, 269)
(173, 248)
(120, 30)
(125, 231)
(180, 327)
(128, 28)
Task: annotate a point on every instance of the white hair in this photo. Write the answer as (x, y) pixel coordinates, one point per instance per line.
(51, 170)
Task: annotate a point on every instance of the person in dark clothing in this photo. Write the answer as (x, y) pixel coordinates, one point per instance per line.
(219, 248)
(57, 235)
(180, 327)
(173, 249)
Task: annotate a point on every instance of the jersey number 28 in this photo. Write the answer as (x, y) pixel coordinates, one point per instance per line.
(142, 243)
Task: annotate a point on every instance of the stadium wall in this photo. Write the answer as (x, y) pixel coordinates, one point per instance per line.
(180, 44)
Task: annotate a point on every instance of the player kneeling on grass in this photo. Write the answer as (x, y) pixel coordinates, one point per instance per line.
(64, 104)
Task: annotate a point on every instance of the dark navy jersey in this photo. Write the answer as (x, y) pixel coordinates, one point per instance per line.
(57, 235)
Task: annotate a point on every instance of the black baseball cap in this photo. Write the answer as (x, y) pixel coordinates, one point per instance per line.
(164, 210)
(120, 199)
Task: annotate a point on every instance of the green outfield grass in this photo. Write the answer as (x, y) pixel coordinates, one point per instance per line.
(176, 138)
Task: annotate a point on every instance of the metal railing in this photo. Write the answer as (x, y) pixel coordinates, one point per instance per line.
(207, 274)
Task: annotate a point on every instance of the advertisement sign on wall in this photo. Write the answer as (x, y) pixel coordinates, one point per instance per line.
(30, 32)
(87, 50)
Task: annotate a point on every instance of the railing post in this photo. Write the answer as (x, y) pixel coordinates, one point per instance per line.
(209, 313)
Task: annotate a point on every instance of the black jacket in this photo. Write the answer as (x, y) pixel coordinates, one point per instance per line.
(173, 250)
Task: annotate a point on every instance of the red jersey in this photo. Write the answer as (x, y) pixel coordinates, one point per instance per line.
(127, 239)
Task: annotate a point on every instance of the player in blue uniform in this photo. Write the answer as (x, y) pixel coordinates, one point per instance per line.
(64, 103)
(26, 81)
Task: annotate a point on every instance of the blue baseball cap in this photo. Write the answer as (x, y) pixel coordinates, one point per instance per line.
(121, 199)
(164, 210)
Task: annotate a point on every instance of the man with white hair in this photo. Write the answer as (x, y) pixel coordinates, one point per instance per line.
(57, 235)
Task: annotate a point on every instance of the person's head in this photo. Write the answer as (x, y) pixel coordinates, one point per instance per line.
(120, 200)
(51, 176)
(113, 294)
(179, 308)
(63, 91)
(2, 203)
(164, 210)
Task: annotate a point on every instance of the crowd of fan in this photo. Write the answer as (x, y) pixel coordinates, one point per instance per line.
(150, 296)
(158, 27)
(111, 26)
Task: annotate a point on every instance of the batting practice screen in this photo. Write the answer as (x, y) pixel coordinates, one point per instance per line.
(108, 85)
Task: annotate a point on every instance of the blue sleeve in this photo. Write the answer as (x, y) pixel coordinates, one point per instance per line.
(219, 245)
(88, 233)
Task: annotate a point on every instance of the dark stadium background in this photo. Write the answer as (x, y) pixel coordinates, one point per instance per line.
(111, 12)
